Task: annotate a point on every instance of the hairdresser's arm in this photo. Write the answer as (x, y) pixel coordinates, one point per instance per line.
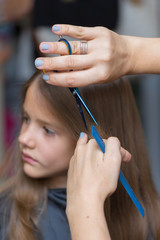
(92, 177)
(109, 56)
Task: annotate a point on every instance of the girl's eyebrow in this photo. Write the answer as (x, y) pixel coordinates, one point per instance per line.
(44, 122)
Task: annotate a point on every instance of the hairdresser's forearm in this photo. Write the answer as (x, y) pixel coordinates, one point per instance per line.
(87, 221)
(144, 55)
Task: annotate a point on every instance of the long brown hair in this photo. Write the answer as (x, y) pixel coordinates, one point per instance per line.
(114, 108)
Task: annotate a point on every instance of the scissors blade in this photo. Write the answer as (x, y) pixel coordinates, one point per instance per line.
(85, 106)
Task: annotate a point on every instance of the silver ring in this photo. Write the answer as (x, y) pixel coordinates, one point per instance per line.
(84, 47)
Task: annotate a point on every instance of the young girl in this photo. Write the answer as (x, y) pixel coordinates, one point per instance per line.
(33, 201)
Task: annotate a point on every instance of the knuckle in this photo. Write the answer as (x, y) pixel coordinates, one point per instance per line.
(55, 47)
(70, 81)
(71, 62)
(65, 29)
(80, 32)
(108, 55)
(104, 74)
(52, 78)
(101, 30)
(114, 140)
(91, 142)
(75, 47)
(49, 63)
(108, 34)
(105, 33)
(116, 159)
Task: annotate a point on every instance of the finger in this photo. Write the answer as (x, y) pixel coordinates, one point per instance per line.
(126, 156)
(73, 78)
(82, 139)
(60, 47)
(64, 63)
(86, 33)
(113, 154)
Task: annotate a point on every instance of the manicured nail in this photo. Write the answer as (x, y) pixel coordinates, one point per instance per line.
(81, 134)
(56, 28)
(45, 77)
(38, 62)
(45, 46)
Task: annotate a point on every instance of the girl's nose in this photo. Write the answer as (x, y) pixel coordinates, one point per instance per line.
(27, 139)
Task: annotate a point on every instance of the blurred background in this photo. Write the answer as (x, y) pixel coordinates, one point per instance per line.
(24, 24)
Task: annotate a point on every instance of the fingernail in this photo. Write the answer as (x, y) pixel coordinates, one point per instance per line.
(81, 134)
(45, 46)
(56, 28)
(38, 62)
(45, 77)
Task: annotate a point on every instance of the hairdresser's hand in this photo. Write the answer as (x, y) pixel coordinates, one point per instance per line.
(92, 174)
(107, 57)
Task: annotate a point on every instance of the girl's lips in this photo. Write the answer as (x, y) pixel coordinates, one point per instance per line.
(28, 159)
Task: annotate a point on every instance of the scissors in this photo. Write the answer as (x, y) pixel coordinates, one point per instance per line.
(97, 137)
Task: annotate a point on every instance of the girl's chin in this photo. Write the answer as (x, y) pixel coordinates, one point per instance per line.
(30, 171)
(35, 172)
(54, 180)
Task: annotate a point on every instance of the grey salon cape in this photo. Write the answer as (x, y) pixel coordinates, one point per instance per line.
(53, 223)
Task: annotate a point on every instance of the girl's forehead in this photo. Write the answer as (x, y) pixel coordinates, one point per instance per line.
(35, 98)
(36, 105)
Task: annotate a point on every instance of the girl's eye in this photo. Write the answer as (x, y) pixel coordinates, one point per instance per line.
(25, 118)
(49, 131)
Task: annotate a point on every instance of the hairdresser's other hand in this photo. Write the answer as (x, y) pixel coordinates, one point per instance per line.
(92, 176)
(91, 173)
(107, 57)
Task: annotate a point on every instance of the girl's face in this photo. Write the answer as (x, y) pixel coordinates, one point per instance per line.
(46, 145)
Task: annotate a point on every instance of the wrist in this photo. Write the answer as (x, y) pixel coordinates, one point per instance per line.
(83, 204)
(143, 55)
(86, 216)
(130, 61)
(125, 50)
(135, 55)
